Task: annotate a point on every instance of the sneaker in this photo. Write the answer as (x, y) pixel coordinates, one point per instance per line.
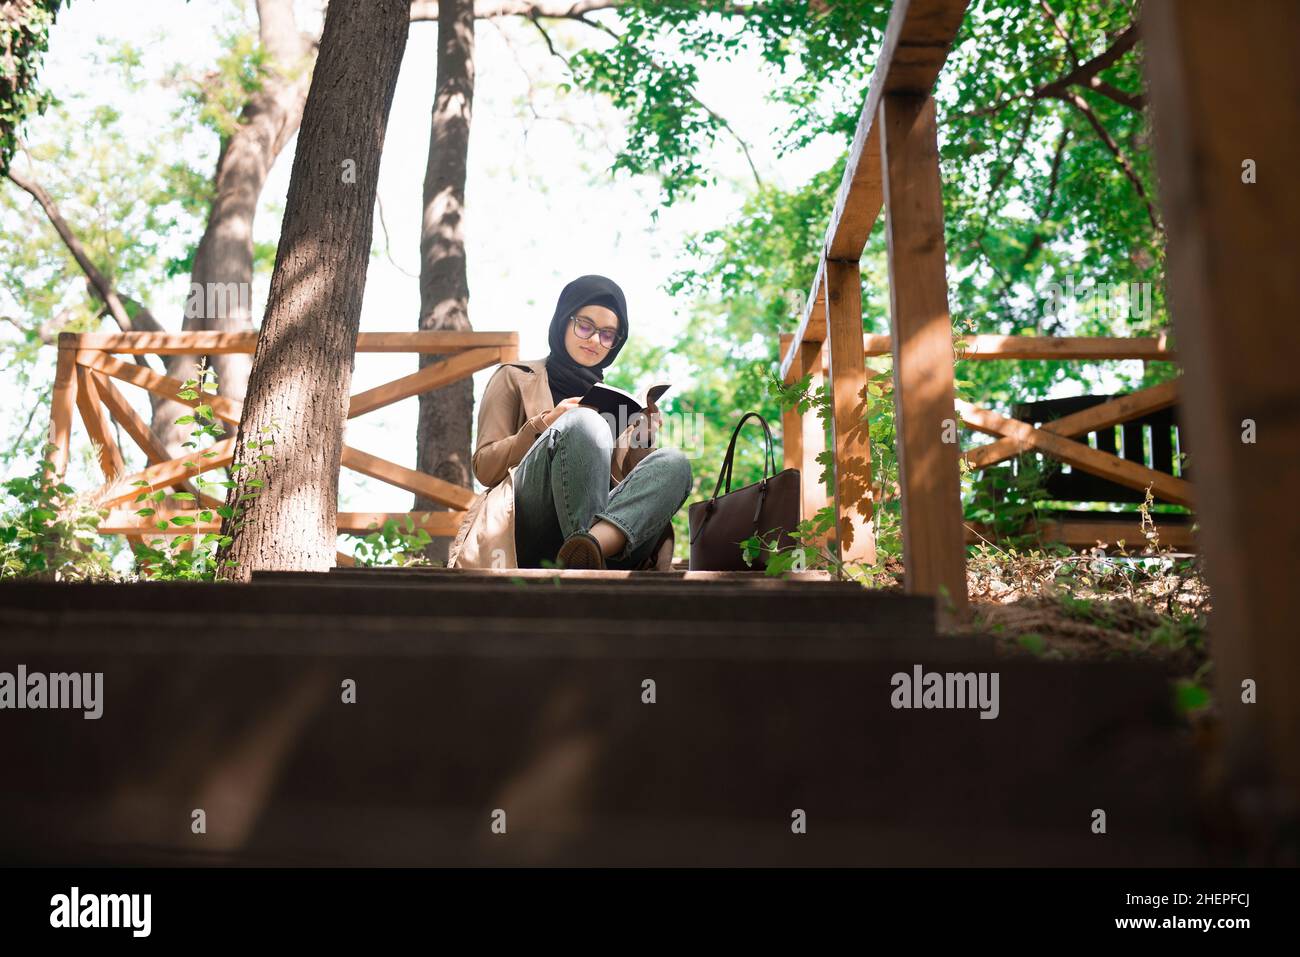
(580, 550)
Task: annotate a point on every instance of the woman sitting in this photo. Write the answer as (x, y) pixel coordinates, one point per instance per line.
(561, 487)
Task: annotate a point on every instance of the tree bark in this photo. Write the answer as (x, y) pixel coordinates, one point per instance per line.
(223, 263)
(443, 432)
(302, 369)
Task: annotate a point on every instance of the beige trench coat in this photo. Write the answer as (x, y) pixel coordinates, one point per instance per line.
(509, 421)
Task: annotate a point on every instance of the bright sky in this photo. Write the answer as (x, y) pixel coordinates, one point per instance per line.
(540, 207)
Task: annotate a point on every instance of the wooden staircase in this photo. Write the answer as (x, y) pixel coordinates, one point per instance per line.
(519, 697)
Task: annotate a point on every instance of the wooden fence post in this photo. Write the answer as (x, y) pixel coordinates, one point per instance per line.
(1223, 82)
(850, 431)
(934, 549)
(63, 400)
(804, 434)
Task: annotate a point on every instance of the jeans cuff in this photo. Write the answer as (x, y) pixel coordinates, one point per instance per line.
(630, 545)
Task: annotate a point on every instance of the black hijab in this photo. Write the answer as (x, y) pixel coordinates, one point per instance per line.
(567, 377)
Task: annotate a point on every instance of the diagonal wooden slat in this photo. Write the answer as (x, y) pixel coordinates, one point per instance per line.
(126, 522)
(228, 410)
(1078, 455)
(433, 376)
(98, 425)
(207, 342)
(99, 429)
(139, 430)
(434, 488)
(164, 474)
(440, 491)
(1121, 409)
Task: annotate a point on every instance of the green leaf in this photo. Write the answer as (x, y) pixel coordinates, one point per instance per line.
(1190, 696)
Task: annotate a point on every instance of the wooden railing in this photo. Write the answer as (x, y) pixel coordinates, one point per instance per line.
(88, 363)
(804, 439)
(893, 165)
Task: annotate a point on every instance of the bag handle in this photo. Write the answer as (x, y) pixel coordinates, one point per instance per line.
(769, 470)
(769, 460)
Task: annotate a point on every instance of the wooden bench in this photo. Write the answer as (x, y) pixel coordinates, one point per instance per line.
(1151, 440)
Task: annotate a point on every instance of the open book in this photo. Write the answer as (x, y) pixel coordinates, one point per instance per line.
(620, 409)
(622, 405)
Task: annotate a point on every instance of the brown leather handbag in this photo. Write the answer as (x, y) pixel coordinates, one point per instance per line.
(769, 508)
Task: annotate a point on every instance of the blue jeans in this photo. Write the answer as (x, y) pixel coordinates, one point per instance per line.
(562, 486)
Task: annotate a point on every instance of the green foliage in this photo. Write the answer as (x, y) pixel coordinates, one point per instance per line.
(129, 207)
(216, 98)
(393, 544)
(24, 38)
(1006, 500)
(1190, 696)
(50, 533)
(814, 546)
(1033, 195)
(187, 556)
(137, 205)
(1032, 642)
(817, 55)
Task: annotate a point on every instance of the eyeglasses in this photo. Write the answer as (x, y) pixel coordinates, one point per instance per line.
(585, 328)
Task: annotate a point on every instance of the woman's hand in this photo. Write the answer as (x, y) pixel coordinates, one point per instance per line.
(565, 405)
(645, 426)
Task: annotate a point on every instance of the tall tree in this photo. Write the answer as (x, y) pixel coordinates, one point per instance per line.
(443, 434)
(302, 369)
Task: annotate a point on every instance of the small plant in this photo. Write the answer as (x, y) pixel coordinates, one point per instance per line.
(1185, 631)
(393, 544)
(811, 551)
(1032, 642)
(813, 537)
(53, 533)
(1191, 696)
(1005, 501)
(189, 557)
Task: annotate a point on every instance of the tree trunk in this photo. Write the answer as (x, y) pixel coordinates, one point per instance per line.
(443, 434)
(302, 369)
(223, 263)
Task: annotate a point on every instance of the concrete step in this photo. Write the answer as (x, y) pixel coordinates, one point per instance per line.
(755, 579)
(534, 606)
(241, 714)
